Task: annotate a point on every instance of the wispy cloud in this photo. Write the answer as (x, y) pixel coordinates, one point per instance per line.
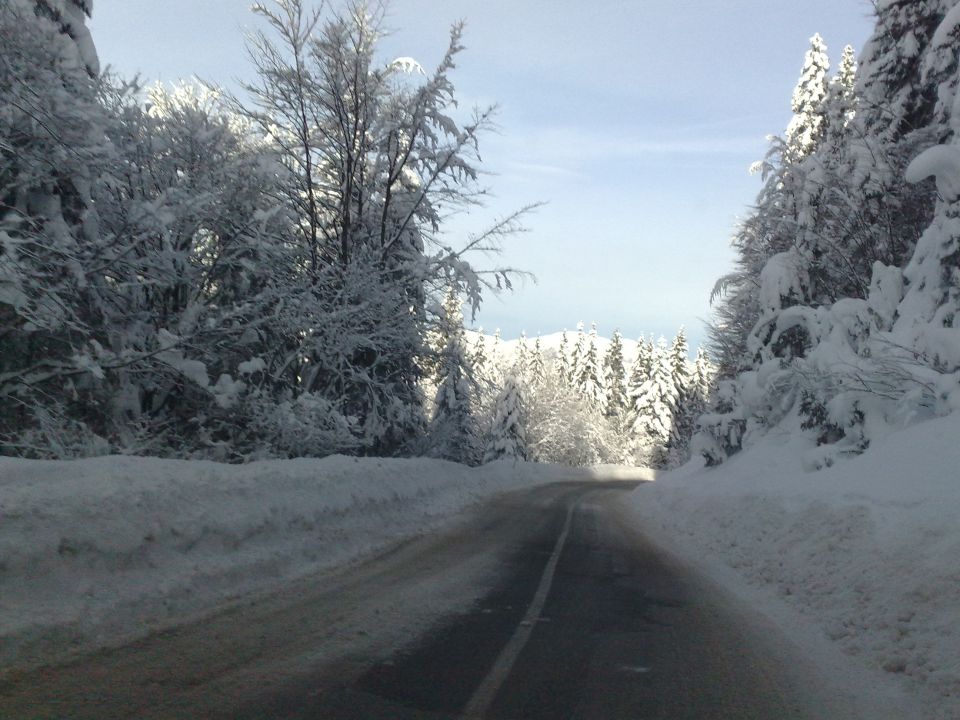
(565, 147)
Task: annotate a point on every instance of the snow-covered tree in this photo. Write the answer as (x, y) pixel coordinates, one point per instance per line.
(562, 363)
(579, 354)
(642, 367)
(70, 16)
(589, 379)
(508, 433)
(566, 428)
(478, 358)
(454, 433)
(616, 378)
(816, 320)
(806, 127)
(374, 164)
(538, 370)
(52, 153)
(522, 358)
(685, 404)
(651, 419)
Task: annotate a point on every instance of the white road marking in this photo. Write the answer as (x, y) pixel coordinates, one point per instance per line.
(487, 690)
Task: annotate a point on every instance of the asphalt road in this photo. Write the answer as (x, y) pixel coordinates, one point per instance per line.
(545, 604)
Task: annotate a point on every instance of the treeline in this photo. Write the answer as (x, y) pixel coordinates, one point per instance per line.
(186, 273)
(575, 404)
(843, 307)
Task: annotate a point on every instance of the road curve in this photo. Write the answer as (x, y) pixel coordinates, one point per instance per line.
(544, 604)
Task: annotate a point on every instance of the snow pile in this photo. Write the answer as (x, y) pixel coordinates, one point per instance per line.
(100, 550)
(868, 550)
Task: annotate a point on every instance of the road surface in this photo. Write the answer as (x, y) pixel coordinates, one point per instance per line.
(544, 604)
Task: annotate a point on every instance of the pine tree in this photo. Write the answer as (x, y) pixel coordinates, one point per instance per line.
(702, 381)
(823, 265)
(70, 16)
(52, 302)
(579, 355)
(616, 378)
(522, 361)
(453, 428)
(538, 370)
(642, 367)
(651, 419)
(563, 364)
(478, 359)
(685, 398)
(806, 127)
(589, 380)
(508, 436)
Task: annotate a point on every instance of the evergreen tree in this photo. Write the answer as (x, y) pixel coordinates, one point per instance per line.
(453, 428)
(478, 359)
(824, 261)
(70, 16)
(642, 367)
(563, 365)
(508, 436)
(651, 418)
(579, 355)
(538, 370)
(522, 361)
(589, 381)
(616, 378)
(52, 301)
(702, 381)
(806, 127)
(685, 399)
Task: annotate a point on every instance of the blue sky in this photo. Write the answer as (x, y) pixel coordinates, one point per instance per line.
(635, 121)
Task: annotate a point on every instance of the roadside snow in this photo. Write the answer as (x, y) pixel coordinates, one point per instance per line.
(97, 551)
(868, 551)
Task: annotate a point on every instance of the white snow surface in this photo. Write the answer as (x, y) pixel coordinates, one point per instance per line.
(99, 551)
(867, 551)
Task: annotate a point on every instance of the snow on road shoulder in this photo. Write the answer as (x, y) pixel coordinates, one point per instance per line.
(101, 550)
(868, 550)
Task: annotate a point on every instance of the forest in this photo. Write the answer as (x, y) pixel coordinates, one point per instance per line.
(189, 272)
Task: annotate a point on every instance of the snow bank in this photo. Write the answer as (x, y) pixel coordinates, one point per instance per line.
(97, 551)
(868, 550)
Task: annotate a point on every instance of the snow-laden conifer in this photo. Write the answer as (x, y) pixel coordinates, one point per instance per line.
(562, 362)
(615, 375)
(538, 370)
(454, 434)
(806, 127)
(589, 379)
(578, 355)
(508, 433)
(651, 418)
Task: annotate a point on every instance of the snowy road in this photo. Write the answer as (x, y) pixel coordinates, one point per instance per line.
(545, 604)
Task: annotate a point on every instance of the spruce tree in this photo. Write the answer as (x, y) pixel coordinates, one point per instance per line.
(578, 356)
(616, 378)
(563, 366)
(685, 399)
(453, 429)
(589, 380)
(652, 413)
(806, 127)
(478, 358)
(522, 360)
(538, 370)
(508, 434)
